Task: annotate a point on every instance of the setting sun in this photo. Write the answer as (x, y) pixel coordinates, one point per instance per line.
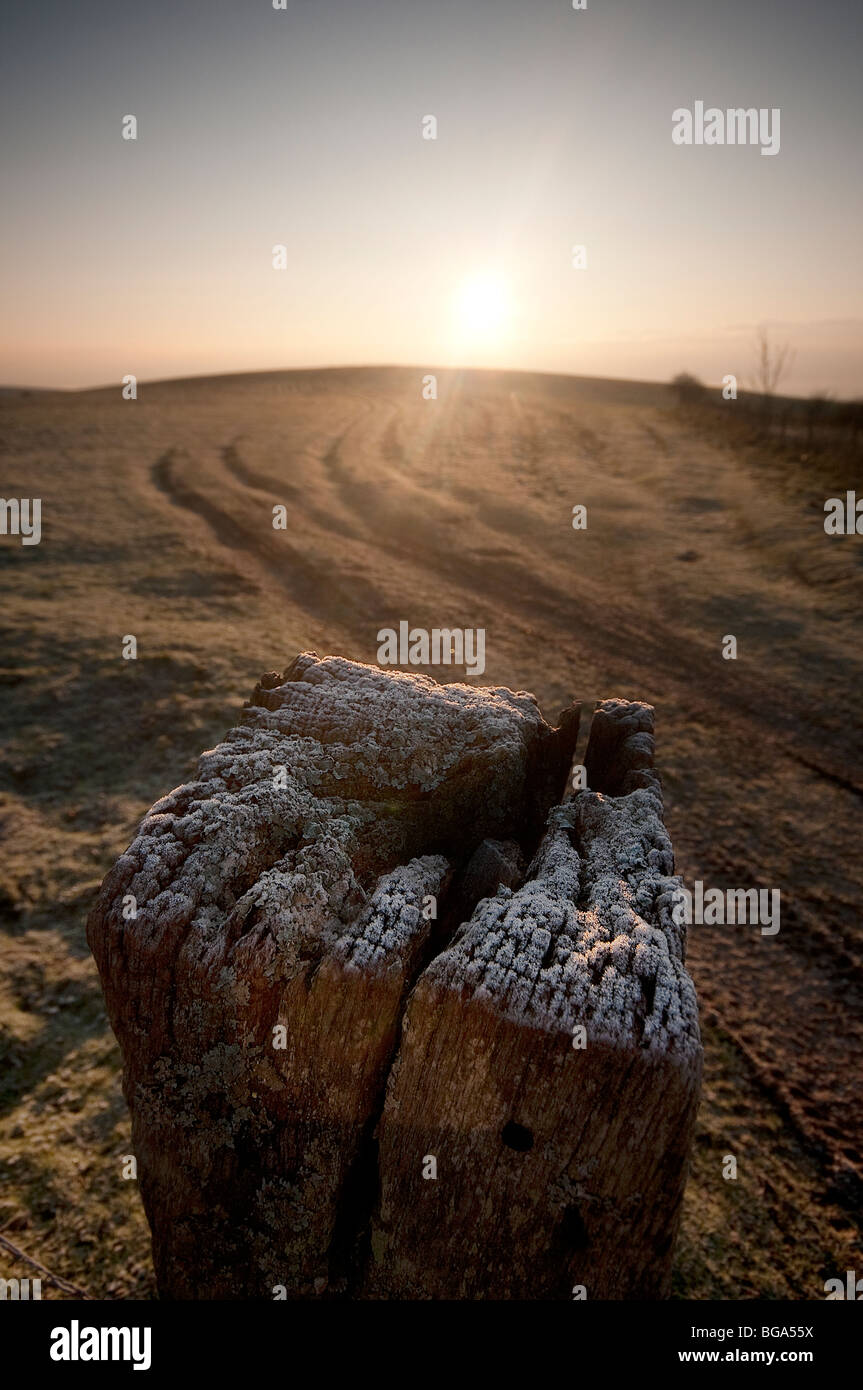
(482, 308)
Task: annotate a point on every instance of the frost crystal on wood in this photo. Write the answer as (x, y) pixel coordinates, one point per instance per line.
(365, 935)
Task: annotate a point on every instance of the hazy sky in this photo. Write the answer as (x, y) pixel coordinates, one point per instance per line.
(304, 127)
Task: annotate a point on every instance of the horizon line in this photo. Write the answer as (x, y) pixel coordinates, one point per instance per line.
(400, 367)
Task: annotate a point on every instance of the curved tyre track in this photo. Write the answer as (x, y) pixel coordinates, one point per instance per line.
(310, 585)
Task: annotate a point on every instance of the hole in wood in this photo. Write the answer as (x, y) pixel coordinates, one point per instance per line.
(517, 1137)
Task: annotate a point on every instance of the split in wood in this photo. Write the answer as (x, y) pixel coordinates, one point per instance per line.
(378, 872)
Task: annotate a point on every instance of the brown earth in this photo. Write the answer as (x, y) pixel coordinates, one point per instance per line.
(157, 522)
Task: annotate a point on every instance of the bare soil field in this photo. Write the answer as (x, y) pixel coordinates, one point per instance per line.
(456, 512)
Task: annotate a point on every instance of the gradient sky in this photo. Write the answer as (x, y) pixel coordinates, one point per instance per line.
(303, 127)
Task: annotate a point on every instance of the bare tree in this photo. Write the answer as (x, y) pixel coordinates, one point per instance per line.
(772, 362)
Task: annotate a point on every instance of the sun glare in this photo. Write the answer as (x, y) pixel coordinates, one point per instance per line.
(482, 309)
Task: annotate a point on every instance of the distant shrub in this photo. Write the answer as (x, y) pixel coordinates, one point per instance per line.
(817, 408)
(852, 416)
(690, 391)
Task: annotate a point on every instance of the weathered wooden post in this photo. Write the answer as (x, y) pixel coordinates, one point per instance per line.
(324, 965)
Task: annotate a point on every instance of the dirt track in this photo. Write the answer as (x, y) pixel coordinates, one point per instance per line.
(157, 520)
